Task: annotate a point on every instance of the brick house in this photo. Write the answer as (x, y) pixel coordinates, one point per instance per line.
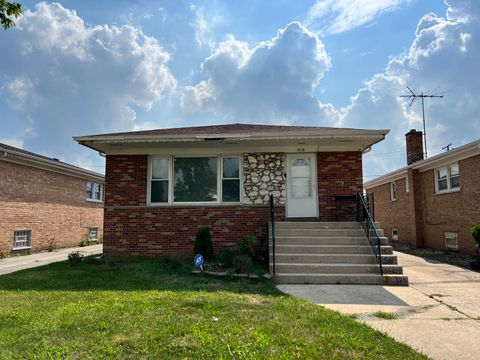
(431, 203)
(46, 203)
(162, 185)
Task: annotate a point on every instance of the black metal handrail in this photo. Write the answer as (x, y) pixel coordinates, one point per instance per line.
(368, 225)
(272, 220)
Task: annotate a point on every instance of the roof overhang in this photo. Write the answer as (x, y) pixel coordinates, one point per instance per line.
(21, 158)
(355, 140)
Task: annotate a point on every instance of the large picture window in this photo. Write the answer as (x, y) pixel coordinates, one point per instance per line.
(195, 179)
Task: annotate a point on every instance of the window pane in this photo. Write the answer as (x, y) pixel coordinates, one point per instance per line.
(98, 191)
(195, 179)
(455, 182)
(89, 190)
(442, 184)
(160, 169)
(442, 173)
(454, 170)
(159, 191)
(231, 190)
(231, 167)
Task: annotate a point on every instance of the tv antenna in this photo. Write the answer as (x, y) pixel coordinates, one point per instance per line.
(422, 96)
(447, 147)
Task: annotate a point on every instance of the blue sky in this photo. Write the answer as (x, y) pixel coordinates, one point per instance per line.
(81, 67)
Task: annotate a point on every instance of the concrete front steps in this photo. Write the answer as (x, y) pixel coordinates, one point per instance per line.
(330, 253)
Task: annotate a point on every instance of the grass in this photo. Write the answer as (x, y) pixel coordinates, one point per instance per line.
(146, 308)
(385, 315)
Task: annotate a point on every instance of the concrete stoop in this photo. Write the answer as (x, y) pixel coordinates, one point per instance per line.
(331, 253)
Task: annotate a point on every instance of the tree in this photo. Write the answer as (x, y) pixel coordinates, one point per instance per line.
(9, 11)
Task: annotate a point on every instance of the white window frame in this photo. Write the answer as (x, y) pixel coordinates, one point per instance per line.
(395, 238)
(171, 185)
(221, 178)
(18, 233)
(449, 189)
(92, 199)
(89, 233)
(454, 238)
(393, 191)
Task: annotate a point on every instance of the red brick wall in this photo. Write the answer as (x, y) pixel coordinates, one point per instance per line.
(339, 180)
(132, 228)
(432, 214)
(398, 214)
(50, 204)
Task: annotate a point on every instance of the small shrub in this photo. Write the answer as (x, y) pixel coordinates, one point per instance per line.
(243, 264)
(245, 246)
(475, 230)
(226, 256)
(4, 254)
(203, 243)
(52, 245)
(75, 258)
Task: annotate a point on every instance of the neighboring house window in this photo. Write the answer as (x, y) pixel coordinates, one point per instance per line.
(93, 234)
(94, 191)
(394, 234)
(447, 178)
(159, 181)
(21, 239)
(231, 179)
(393, 191)
(451, 240)
(195, 179)
(200, 179)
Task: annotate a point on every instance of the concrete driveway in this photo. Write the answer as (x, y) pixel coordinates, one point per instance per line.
(438, 314)
(17, 263)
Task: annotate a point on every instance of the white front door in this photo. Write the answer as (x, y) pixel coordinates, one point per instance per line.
(302, 185)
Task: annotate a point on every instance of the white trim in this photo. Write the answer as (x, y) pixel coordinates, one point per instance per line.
(92, 199)
(399, 174)
(449, 189)
(240, 179)
(393, 197)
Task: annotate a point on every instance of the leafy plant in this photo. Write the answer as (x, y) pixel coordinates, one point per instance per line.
(475, 230)
(52, 244)
(245, 246)
(8, 12)
(226, 256)
(203, 243)
(243, 264)
(75, 258)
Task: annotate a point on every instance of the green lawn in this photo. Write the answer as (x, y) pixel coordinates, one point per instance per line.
(147, 309)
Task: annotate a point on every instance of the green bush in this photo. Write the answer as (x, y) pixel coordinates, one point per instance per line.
(226, 256)
(75, 258)
(475, 230)
(243, 264)
(203, 243)
(245, 246)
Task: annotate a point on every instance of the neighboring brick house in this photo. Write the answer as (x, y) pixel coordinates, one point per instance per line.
(162, 185)
(46, 203)
(431, 203)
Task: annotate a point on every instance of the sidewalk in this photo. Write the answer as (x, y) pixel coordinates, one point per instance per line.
(17, 263)
(438, 314)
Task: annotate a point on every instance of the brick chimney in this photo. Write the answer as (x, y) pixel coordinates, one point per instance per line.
(414, 146)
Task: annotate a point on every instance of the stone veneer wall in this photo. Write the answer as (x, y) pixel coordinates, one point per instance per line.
(262, 175)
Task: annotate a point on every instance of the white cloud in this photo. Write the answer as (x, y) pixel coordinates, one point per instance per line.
(204, 35)
(78, 78)
(441, 60)
(336, 16)
(273, 81)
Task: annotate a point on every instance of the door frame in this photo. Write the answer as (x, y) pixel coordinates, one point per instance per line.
(287, 187)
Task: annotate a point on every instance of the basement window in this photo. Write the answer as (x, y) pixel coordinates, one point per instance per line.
(93, 234)
(21, 239)
(393, 191)
(451, 240)
(394, 234)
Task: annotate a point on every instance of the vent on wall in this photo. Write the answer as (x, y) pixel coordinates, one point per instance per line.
(451, 240)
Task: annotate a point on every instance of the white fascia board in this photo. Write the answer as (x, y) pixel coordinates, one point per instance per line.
(448, 157)
(393, 176)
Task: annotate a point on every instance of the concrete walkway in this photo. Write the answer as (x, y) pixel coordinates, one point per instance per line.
(438, 314)
(17, 263)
